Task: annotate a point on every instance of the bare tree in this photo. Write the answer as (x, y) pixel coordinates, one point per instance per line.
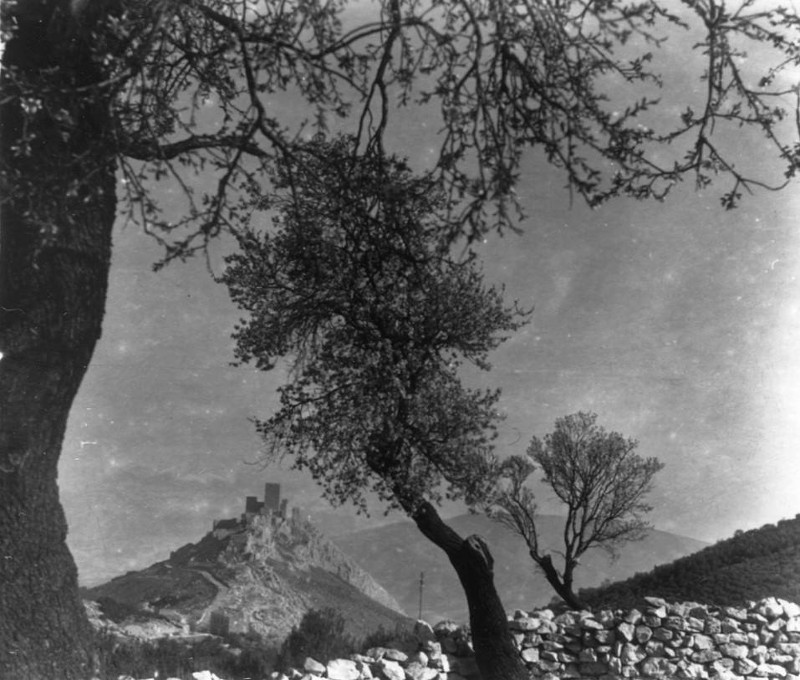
(598, 477)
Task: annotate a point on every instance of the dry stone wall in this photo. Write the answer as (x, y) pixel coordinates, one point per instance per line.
(658, 641)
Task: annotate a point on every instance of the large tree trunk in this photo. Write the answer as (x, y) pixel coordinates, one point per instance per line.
(55, 241)
(562, 586)
(495, 653)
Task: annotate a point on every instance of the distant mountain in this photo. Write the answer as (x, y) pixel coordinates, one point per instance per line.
(751, 565)
(395, 554)
(261, 573)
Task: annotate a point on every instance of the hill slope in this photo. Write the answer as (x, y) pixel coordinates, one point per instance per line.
(395, 554)
(751, 565)
(260, 575)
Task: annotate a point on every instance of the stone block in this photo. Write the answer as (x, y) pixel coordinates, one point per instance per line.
(656, 601)
(525, 624)
(730, 625)
(530, 655)
(702, 642)
(633, 616)
(657, 667)
(734, 651)
(313, 666)
(694, 671)
(631, 654)
(658, 612)
(626, 631)
(395, 655)
(343, 669)
(607, 618)
(423, 631)
(745, 666)
(605, 637)
(770, 608)
(548, 666)
(706, 656)
(591, 624)
(663, 634)
(675, 623)
(551, 646)
(790, 609)
(390, 670)
(679, 609)
(768, 670)
(416, 671)
(695, 624)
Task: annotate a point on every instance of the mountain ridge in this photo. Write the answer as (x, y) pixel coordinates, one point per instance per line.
(395, 554)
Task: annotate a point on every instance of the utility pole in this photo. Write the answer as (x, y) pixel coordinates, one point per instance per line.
(421, 587)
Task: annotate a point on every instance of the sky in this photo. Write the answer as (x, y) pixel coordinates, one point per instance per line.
(678, 323)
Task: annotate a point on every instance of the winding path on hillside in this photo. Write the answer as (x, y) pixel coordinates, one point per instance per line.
(222, 589)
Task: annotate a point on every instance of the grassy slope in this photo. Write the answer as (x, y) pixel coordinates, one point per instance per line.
(751, 565)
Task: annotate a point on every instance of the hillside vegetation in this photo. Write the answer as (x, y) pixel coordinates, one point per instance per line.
(749, 566)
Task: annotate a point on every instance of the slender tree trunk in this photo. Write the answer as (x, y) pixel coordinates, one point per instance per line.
(495, 652)
(563, 587)
(54, 262)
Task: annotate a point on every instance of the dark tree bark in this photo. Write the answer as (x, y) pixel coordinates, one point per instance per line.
(562, 586)
(495, 653)
(53, 280)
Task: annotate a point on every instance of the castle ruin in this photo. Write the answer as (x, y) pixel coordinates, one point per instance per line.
(272, 506)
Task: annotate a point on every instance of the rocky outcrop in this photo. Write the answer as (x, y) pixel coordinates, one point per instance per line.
(658, 641)
(259, 575)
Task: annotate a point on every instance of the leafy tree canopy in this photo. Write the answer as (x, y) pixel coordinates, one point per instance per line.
(356, 283)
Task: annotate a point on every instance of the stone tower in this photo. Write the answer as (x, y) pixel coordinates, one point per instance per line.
(272, 497)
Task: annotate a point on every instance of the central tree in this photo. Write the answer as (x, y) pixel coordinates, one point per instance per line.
(356, 284)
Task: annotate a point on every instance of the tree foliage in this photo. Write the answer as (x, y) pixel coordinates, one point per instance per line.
(598, 477)
(356, 285)
(190, 90)
(320, 635)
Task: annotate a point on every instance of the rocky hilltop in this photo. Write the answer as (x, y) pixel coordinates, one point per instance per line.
(259, 573)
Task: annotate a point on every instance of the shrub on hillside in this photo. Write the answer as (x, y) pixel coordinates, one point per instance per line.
(119, 611)
(397, 639)
(167, 657)
(320, 635)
